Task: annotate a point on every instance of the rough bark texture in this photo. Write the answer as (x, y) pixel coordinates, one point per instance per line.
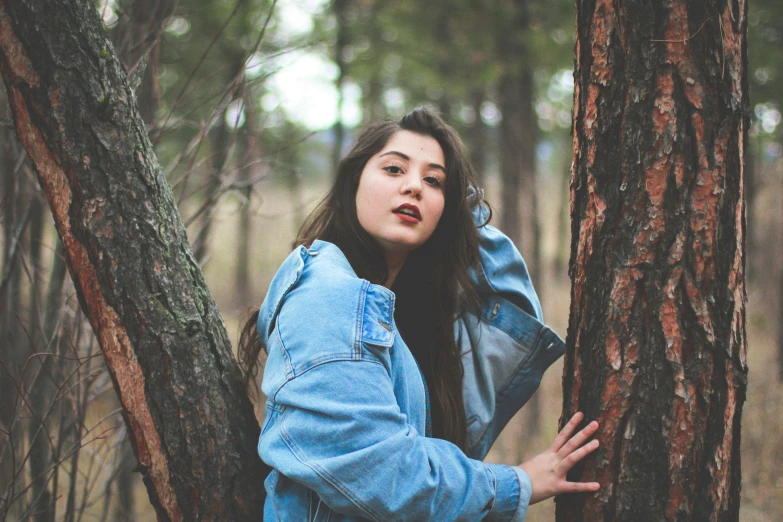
(191, 423)
(656, 337)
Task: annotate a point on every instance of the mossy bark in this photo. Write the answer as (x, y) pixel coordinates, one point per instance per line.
(164, 341)
(656, 339)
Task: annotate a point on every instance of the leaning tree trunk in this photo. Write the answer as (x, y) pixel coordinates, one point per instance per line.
(656, 337)
(137, 42)
(191, 422)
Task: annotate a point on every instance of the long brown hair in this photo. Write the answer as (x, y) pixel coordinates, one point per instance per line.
(435, 279)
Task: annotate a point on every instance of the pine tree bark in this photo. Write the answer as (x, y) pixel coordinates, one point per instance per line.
(656, 338)
(165, 344)
(138, 46)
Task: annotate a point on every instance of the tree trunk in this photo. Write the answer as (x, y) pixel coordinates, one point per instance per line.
(518, 126)
(510, 160)
(190, 420)
(124, 510)
(137, 43)
(14, 224)
(532, 223)
(221, 149)
(656, 338)
(339, 8)
(518, 158)
(372, 91)
(246, 171)
(138, 46)
(39, 375)
(444, 53)
(477, 137)
(780, 308)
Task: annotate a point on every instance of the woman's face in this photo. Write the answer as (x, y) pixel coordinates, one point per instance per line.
(402, 192)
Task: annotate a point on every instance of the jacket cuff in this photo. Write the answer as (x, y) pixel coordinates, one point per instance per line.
(512, 493)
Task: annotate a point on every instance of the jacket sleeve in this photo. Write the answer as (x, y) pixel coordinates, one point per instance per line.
(342, 434)
(507, 348)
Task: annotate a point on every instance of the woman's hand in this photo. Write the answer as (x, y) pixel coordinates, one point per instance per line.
(547, 471)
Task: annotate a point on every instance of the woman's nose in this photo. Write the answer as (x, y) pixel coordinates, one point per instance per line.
(412, 185)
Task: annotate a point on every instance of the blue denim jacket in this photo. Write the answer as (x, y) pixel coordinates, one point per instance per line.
(347, 407)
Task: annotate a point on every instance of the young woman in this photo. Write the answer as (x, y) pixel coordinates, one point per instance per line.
(401, 336)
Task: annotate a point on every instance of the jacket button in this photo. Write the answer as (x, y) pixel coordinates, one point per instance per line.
(495, 310)
(313, 252)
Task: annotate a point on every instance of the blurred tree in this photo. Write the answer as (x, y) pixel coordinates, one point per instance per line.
(656, 338)
(15, 218)
(765, 68)
(39, 369)
(477, 136)
(765, 56)
(137, 39)
(780, 306)
(518, 140)
(342, 36)
(164, 342)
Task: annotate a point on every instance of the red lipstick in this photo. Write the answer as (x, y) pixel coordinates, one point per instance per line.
(408, 212)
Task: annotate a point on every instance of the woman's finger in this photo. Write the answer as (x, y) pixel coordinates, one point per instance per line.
(581, 487)
(578, 439)
(569, 461)
(566, 432)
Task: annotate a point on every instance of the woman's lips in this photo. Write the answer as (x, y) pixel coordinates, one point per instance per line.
(408, 213)
(407, 218)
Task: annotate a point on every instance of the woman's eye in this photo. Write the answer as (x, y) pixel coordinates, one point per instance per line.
(393, 169)
(433, 181)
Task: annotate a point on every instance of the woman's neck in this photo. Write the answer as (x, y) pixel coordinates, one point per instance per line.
(394, 262)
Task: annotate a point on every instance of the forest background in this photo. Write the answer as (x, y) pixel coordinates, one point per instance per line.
(249, 104)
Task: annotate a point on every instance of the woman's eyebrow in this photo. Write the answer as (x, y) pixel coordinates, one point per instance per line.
(407, 158)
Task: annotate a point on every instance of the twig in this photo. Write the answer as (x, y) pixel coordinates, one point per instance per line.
(691, 36)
